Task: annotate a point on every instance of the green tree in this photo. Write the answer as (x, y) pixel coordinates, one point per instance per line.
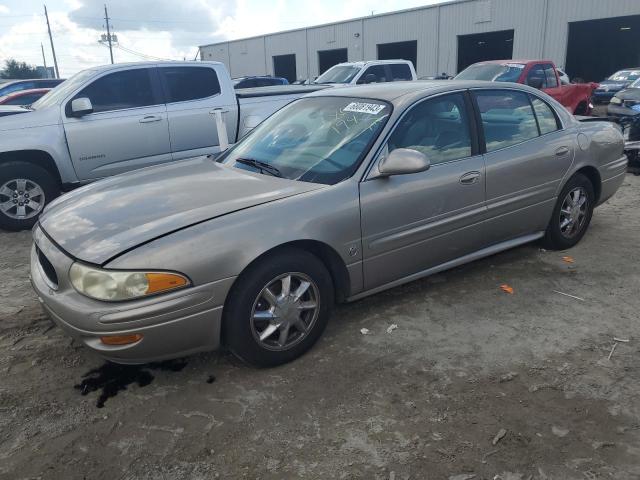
(16, 69)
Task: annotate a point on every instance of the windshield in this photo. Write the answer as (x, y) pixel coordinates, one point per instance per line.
(492, 72)
(338, 74)
(317, 140)
(59, 93)
(635, 84)
(625, 75)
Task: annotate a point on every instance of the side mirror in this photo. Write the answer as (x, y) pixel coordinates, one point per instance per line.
(403, 161)
(535, 82)
(81, 106)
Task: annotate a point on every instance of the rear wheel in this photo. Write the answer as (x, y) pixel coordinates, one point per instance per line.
(278, 308)
(572, 214)
(25, 189)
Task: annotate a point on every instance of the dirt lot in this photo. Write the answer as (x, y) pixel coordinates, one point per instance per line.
(422, 402)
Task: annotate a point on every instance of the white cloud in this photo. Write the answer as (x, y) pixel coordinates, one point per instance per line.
(161, 28)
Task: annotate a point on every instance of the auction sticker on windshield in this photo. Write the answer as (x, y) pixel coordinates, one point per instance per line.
(361, 107)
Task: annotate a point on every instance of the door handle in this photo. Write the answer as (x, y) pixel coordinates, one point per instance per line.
(219, 109)
(470, 178)
(562, 151)
(150, 119)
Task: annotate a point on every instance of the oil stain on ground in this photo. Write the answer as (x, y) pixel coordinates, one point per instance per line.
(112, 378)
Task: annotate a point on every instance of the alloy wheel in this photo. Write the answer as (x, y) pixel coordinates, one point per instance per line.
(21, 199)
(573, 213)
(285, 311)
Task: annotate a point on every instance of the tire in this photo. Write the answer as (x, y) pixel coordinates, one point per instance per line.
(248, 300)
(560, 235)
(23, 185)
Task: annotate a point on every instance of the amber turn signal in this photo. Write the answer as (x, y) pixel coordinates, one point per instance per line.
(161, 282)
(121, 339)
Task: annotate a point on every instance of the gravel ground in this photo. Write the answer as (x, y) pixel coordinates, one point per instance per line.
(474, 383)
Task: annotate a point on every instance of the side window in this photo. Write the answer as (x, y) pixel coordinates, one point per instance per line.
(439, 128)
(400, 71)
(550, 76)
(536, 77)
(507, 118)
(120, 90)
(547, 120)
(190, 83)
(374, 74)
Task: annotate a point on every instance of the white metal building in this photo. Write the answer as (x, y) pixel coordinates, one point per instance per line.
(591, 38)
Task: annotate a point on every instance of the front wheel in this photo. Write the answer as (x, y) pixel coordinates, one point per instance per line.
(278, 308)
(25, 189)
(572, 214)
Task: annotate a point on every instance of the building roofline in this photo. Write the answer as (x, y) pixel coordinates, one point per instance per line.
(348, 20)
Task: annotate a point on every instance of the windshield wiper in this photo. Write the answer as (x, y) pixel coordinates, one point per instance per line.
(262, 166)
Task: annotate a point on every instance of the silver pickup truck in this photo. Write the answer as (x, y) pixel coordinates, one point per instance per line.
(112, 119)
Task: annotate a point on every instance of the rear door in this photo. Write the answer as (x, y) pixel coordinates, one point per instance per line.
(127, 129)
(527, 155)
(411, 223)
(193, 95)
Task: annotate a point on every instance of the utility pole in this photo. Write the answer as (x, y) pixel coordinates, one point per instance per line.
(53, 50)
(44, 61)
(106, 19)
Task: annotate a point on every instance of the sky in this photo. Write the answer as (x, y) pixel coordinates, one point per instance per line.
(159, 29)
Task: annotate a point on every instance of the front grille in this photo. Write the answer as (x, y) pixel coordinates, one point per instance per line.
(47, 268)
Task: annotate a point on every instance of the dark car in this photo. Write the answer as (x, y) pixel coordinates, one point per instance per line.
(626, 103)
(251, 82)
(616, 82)
(17, 85)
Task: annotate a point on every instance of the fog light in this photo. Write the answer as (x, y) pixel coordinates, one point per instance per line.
(121, 339)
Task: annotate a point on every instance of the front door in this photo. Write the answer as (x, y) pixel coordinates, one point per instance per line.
(413, 222)
(128, 127)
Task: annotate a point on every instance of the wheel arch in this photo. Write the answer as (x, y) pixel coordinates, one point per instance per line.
(39, 158)
(594, 177)
(325, 253)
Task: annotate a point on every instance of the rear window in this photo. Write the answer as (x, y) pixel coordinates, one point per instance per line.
(189, 83)
(507, 118)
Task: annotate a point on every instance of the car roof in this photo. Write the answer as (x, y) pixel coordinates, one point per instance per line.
(167, 63)
(397, 92)
(362, 63)
(499, 62)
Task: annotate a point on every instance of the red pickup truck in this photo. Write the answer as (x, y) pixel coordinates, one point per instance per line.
(541, 74)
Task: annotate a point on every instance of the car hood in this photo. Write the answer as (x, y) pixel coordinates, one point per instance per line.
(11, 109)
(101, 220)
(612, 85)
(29, 118)
(629, 94)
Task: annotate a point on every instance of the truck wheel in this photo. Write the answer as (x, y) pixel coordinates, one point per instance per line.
(278, 308)
(571, 215)
(25, 189)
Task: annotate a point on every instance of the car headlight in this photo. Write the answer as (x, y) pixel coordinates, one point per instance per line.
(616, 101)
(114, 285)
